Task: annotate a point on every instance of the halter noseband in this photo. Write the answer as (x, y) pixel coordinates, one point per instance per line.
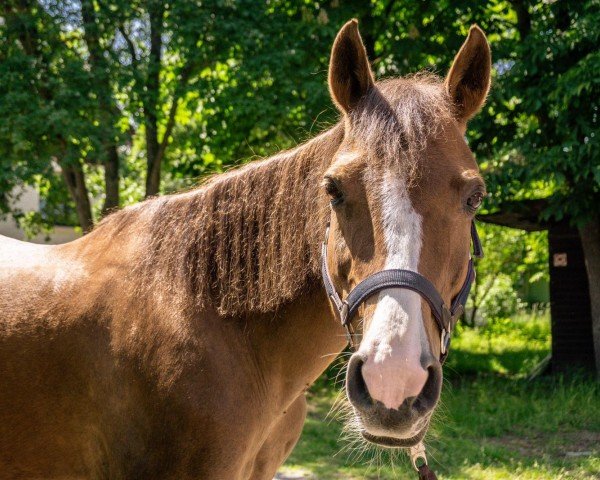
(445, 317)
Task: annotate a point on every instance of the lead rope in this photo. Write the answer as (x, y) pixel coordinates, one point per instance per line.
(419, 462)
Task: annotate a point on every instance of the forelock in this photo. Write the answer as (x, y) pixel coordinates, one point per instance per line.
(398, 117)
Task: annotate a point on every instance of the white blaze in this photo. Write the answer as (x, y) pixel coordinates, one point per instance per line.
(394, 340)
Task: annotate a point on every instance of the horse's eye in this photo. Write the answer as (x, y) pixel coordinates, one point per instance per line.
(475, 201)
(333, 190)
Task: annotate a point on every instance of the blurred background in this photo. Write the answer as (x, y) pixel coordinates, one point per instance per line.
(106, 102)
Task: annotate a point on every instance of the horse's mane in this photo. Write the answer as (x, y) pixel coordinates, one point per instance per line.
(245, 241)
(249, 240)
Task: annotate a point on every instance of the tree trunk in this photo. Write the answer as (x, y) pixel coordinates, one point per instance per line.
(151, 96)
(590, 241)
(106, 104)
(473, 315)
(74, 178)
(111, 180)
(153, 159)
(523, 18)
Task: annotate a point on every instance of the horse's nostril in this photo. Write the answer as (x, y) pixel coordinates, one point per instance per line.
(355, 383)
(430, 394)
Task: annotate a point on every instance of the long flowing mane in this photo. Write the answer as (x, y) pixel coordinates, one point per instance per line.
(245, 241)
(249, 240)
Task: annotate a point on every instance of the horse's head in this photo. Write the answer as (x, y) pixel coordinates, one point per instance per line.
(404, 188)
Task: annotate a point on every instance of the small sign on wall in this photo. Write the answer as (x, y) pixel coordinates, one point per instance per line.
(559, 260)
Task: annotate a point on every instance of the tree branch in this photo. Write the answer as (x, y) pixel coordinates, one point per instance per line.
(522, 214)
(523, 17)
(168, 128)
(388, 9)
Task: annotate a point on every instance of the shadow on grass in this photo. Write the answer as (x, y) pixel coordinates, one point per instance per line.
(517, 361)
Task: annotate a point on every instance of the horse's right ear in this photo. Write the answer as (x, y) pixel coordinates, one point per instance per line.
(468, 80)
(350, 76)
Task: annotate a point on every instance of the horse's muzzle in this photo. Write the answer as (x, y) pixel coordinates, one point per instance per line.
(392, 427)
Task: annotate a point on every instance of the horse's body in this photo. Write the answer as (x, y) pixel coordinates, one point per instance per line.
(177, 339)
(103, 378)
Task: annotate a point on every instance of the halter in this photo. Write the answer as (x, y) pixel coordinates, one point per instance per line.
(445, 317)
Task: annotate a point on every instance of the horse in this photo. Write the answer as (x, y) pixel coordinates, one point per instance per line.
(178, 338)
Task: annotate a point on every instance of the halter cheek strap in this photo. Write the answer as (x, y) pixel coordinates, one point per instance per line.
(445, 317)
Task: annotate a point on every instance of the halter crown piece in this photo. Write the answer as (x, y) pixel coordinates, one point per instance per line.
(445, 317)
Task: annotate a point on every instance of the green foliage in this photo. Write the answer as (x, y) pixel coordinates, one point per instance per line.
(502, 300)
(268, 95)
(243, 79)
(513, 258)
(33, 224)
(230, 80)
(507, 346)
(45, 100)
(541, 127)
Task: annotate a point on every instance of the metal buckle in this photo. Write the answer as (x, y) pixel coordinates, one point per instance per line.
(444, 340)
(347, 323)
(417, 452)
(446, 330)
(344, 313)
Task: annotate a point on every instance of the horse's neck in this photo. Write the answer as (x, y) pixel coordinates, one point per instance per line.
(296, 345)
(303, 338)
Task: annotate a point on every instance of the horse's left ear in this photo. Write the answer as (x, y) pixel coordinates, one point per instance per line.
(468, 80)
(350, 76)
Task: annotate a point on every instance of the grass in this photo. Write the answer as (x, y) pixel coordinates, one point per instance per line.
(492, 422)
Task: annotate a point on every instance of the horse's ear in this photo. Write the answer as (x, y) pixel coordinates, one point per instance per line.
(468, 80)
(350, 76)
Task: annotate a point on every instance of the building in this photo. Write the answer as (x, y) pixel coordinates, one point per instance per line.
(28, 200)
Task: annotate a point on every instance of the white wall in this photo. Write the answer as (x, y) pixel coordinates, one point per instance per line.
(29, 200)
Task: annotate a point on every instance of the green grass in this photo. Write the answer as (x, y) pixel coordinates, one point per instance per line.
(494, 424)
(510, 348)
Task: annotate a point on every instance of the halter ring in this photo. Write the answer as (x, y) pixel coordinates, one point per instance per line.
(417, 452)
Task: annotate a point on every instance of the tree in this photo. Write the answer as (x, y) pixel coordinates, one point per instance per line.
(46, 104)
(547, 98)
(83, 81)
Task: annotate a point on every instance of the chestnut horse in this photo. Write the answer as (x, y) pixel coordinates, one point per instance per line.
(177, 339)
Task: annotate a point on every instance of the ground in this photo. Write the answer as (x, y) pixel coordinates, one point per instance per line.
(493, 422)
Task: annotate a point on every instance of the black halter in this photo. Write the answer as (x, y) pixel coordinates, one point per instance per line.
(445, 317)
